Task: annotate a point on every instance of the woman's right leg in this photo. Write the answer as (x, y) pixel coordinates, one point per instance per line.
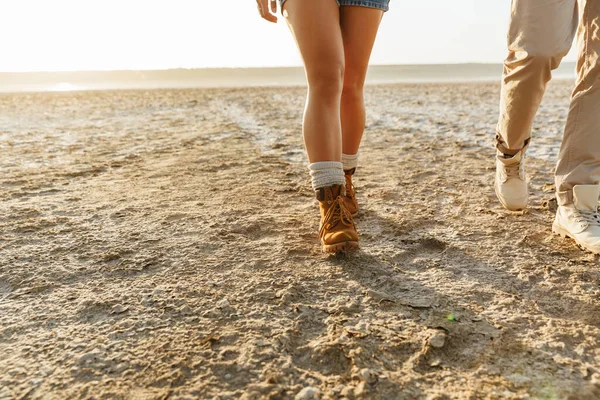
(359, 28)
(315, 25)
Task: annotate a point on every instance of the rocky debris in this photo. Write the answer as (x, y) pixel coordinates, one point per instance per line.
(308, 393)
(437, 339)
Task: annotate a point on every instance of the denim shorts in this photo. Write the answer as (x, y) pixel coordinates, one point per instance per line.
(378, 4)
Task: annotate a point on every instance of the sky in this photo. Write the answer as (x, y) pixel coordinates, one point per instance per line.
(72, 35)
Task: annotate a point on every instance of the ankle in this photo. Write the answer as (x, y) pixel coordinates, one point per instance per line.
(350, 161)
(326, 174)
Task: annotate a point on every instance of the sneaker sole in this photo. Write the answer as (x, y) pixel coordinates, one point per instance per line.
(341, 247)
(504, 203)
(560, 231)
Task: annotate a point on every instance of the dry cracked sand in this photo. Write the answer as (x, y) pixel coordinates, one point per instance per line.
(163, 244)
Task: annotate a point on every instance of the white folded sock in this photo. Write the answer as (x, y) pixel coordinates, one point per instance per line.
(350, 161)
(326, 173)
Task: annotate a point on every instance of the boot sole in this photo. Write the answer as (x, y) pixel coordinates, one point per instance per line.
(525, 199)
(560, 231)
(341, 247)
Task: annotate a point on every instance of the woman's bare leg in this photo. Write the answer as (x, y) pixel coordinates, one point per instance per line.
(315, 25)
(359, 29)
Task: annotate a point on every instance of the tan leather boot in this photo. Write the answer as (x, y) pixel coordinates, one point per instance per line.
(350, 198)
(337, 230)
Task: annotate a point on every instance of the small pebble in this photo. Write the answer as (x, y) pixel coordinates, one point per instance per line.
(368, 375)
(438, 340)
(379, 296)
(223, 303)
(119, 309)
(121, 367)
(91, 355)
(308, 393)
(185, 310)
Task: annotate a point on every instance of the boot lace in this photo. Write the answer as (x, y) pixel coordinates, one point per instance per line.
(589, 217)
(336, 213)
(515, 171)
(349, 189)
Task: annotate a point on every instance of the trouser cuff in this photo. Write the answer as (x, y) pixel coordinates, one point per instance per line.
(501, 146)
(564, 198)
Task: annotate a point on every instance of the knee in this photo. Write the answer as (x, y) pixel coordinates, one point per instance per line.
(353, 88)
(538, 60)
(327, 79)
(544, 61)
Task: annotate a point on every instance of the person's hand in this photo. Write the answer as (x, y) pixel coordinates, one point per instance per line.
(263, 8)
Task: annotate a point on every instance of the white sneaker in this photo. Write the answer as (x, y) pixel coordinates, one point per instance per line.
(580, 220)
(511, 185)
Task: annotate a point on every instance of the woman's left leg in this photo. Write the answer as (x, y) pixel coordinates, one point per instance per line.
(359, 28)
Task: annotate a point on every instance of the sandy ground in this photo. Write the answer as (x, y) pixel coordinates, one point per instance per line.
(163, 244)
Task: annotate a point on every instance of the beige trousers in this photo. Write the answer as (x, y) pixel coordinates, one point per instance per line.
(541, 33)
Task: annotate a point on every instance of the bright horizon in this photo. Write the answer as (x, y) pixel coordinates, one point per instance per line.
(68, 35)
